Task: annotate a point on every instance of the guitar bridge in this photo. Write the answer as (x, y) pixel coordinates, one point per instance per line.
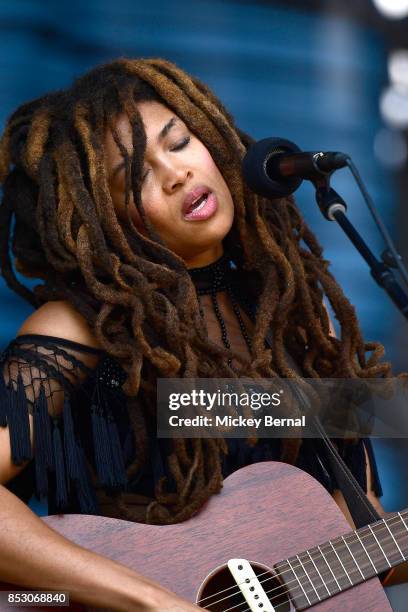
(249, 585)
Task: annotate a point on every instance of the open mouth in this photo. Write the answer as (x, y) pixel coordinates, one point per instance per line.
(198, 204)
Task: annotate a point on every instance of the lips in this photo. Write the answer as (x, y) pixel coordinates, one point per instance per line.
(194, 198)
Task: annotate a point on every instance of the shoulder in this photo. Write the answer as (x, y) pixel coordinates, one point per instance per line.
(60, 319)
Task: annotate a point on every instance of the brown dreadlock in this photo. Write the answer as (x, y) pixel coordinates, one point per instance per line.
(131, 288)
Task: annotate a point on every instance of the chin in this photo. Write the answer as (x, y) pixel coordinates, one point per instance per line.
(214, 238)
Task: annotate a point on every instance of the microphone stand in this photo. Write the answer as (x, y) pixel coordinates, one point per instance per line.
(333, 207)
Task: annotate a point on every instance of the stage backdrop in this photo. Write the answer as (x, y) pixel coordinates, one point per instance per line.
(308, 77)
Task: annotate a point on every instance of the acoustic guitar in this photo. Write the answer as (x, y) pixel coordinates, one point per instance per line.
(272, 541)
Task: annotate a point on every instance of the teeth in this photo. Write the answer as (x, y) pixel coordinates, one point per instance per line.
(201, 205)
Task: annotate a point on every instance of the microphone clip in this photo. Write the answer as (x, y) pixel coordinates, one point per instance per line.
(328, 200)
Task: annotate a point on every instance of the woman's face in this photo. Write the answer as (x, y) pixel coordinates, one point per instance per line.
(184, 194)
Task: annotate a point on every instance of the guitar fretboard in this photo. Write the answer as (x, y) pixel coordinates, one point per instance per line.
(323, 571)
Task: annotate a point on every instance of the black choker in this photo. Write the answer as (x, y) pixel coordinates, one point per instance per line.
(220, 276)
(217, 276)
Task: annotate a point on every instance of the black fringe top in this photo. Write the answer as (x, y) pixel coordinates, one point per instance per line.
(83, 437)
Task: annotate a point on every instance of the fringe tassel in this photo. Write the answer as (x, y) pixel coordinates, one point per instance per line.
(70, 445)
(115, 448)
(46, 428)
(19, 427)
(85, 492)
(77, 469)
(108, 453)
(101, 447)
(61, 485)
(43, 444)
(117, 454)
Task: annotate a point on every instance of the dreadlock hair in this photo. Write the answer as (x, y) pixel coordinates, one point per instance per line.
(136, 294)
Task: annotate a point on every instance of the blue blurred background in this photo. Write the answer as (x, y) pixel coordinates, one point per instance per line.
(313, 72)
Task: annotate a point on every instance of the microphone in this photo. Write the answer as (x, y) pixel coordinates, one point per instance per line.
(275, 167)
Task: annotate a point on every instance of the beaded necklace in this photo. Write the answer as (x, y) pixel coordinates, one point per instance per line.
(221, 275)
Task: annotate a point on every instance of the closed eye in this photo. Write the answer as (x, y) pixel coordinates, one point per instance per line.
(181, 144)
(177, 147)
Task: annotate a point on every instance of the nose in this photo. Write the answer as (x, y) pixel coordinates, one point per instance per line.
(175, 176)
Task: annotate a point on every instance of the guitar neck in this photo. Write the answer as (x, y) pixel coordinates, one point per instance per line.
(330, 568)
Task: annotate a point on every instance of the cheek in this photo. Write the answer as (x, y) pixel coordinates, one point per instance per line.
(151, 203)
(207, 162)
(209, 167)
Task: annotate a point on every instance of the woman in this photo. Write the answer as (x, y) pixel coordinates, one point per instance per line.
(156, 260)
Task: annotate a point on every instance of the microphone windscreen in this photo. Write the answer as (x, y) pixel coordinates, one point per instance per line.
(256, 168)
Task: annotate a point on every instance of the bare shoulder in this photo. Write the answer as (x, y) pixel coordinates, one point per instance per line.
(59, 319)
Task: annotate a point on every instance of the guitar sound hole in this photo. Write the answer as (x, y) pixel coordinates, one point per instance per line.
(219, 592)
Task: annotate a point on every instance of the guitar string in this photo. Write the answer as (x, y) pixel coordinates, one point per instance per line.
(283, 591)
(287, 592)
(381, 526)
(338, 538)
(277, 574)
(302, 592)
(326, 579)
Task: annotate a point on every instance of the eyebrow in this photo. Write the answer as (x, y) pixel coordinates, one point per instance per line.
(163, 133)
(161, 136)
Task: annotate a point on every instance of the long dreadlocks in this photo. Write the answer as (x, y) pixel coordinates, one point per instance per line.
(131, 288)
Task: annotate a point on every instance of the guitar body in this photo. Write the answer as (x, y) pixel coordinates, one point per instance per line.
(265, 513)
